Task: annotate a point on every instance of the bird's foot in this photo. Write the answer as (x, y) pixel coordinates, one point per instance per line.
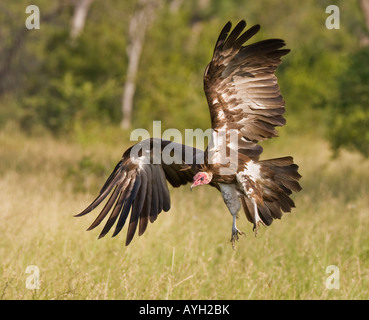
(235, 237)
(257, 219)
(256, 226)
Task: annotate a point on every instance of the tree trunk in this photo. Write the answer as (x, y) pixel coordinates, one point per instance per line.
(364, 5)
(134, 53)
(139, 23)
(175, 5)
(79, 17)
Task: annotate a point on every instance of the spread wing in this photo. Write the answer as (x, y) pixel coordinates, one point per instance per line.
(241, 87)
(138, 184)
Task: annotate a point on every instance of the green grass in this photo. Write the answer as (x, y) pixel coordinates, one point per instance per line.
(186, 253)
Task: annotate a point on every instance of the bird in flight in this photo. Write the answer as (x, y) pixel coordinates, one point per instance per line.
(245, 106)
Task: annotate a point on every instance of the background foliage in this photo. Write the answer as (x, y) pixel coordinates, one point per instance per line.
(50, 82)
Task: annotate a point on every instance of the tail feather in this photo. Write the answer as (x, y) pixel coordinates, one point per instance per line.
(279, 178)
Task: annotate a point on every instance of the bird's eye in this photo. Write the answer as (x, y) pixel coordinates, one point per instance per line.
(202, 178)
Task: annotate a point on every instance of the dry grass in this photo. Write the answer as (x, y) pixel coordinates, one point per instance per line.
(186, 253)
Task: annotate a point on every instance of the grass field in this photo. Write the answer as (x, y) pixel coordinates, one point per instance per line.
(186, 253)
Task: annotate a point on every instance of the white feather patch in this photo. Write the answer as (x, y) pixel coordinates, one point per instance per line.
(252, 170)
(221, 115)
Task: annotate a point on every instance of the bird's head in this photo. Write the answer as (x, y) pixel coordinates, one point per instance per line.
(201, 178)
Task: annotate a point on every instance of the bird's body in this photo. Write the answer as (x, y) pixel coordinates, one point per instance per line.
(245, 106)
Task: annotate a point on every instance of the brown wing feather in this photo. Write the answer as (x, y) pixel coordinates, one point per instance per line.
(241, 87)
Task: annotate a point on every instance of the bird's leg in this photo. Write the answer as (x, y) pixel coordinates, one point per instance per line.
(257, 219)
(235, 231)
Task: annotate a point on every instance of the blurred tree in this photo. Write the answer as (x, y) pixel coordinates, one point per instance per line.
(364, 5)
(53, 82)
(348, 120)
(140, 21)
(81, 8)
(14, 37)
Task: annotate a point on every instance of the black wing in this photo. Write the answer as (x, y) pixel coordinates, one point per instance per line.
(138, 184)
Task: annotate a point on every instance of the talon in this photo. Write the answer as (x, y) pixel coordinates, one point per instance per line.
(255, 229)
(233, 241)
(233, 246)
(257, 219)
(235, 237)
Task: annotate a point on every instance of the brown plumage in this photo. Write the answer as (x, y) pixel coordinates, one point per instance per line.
(245, 106)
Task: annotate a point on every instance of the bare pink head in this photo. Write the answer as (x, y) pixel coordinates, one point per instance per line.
(201, 178)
